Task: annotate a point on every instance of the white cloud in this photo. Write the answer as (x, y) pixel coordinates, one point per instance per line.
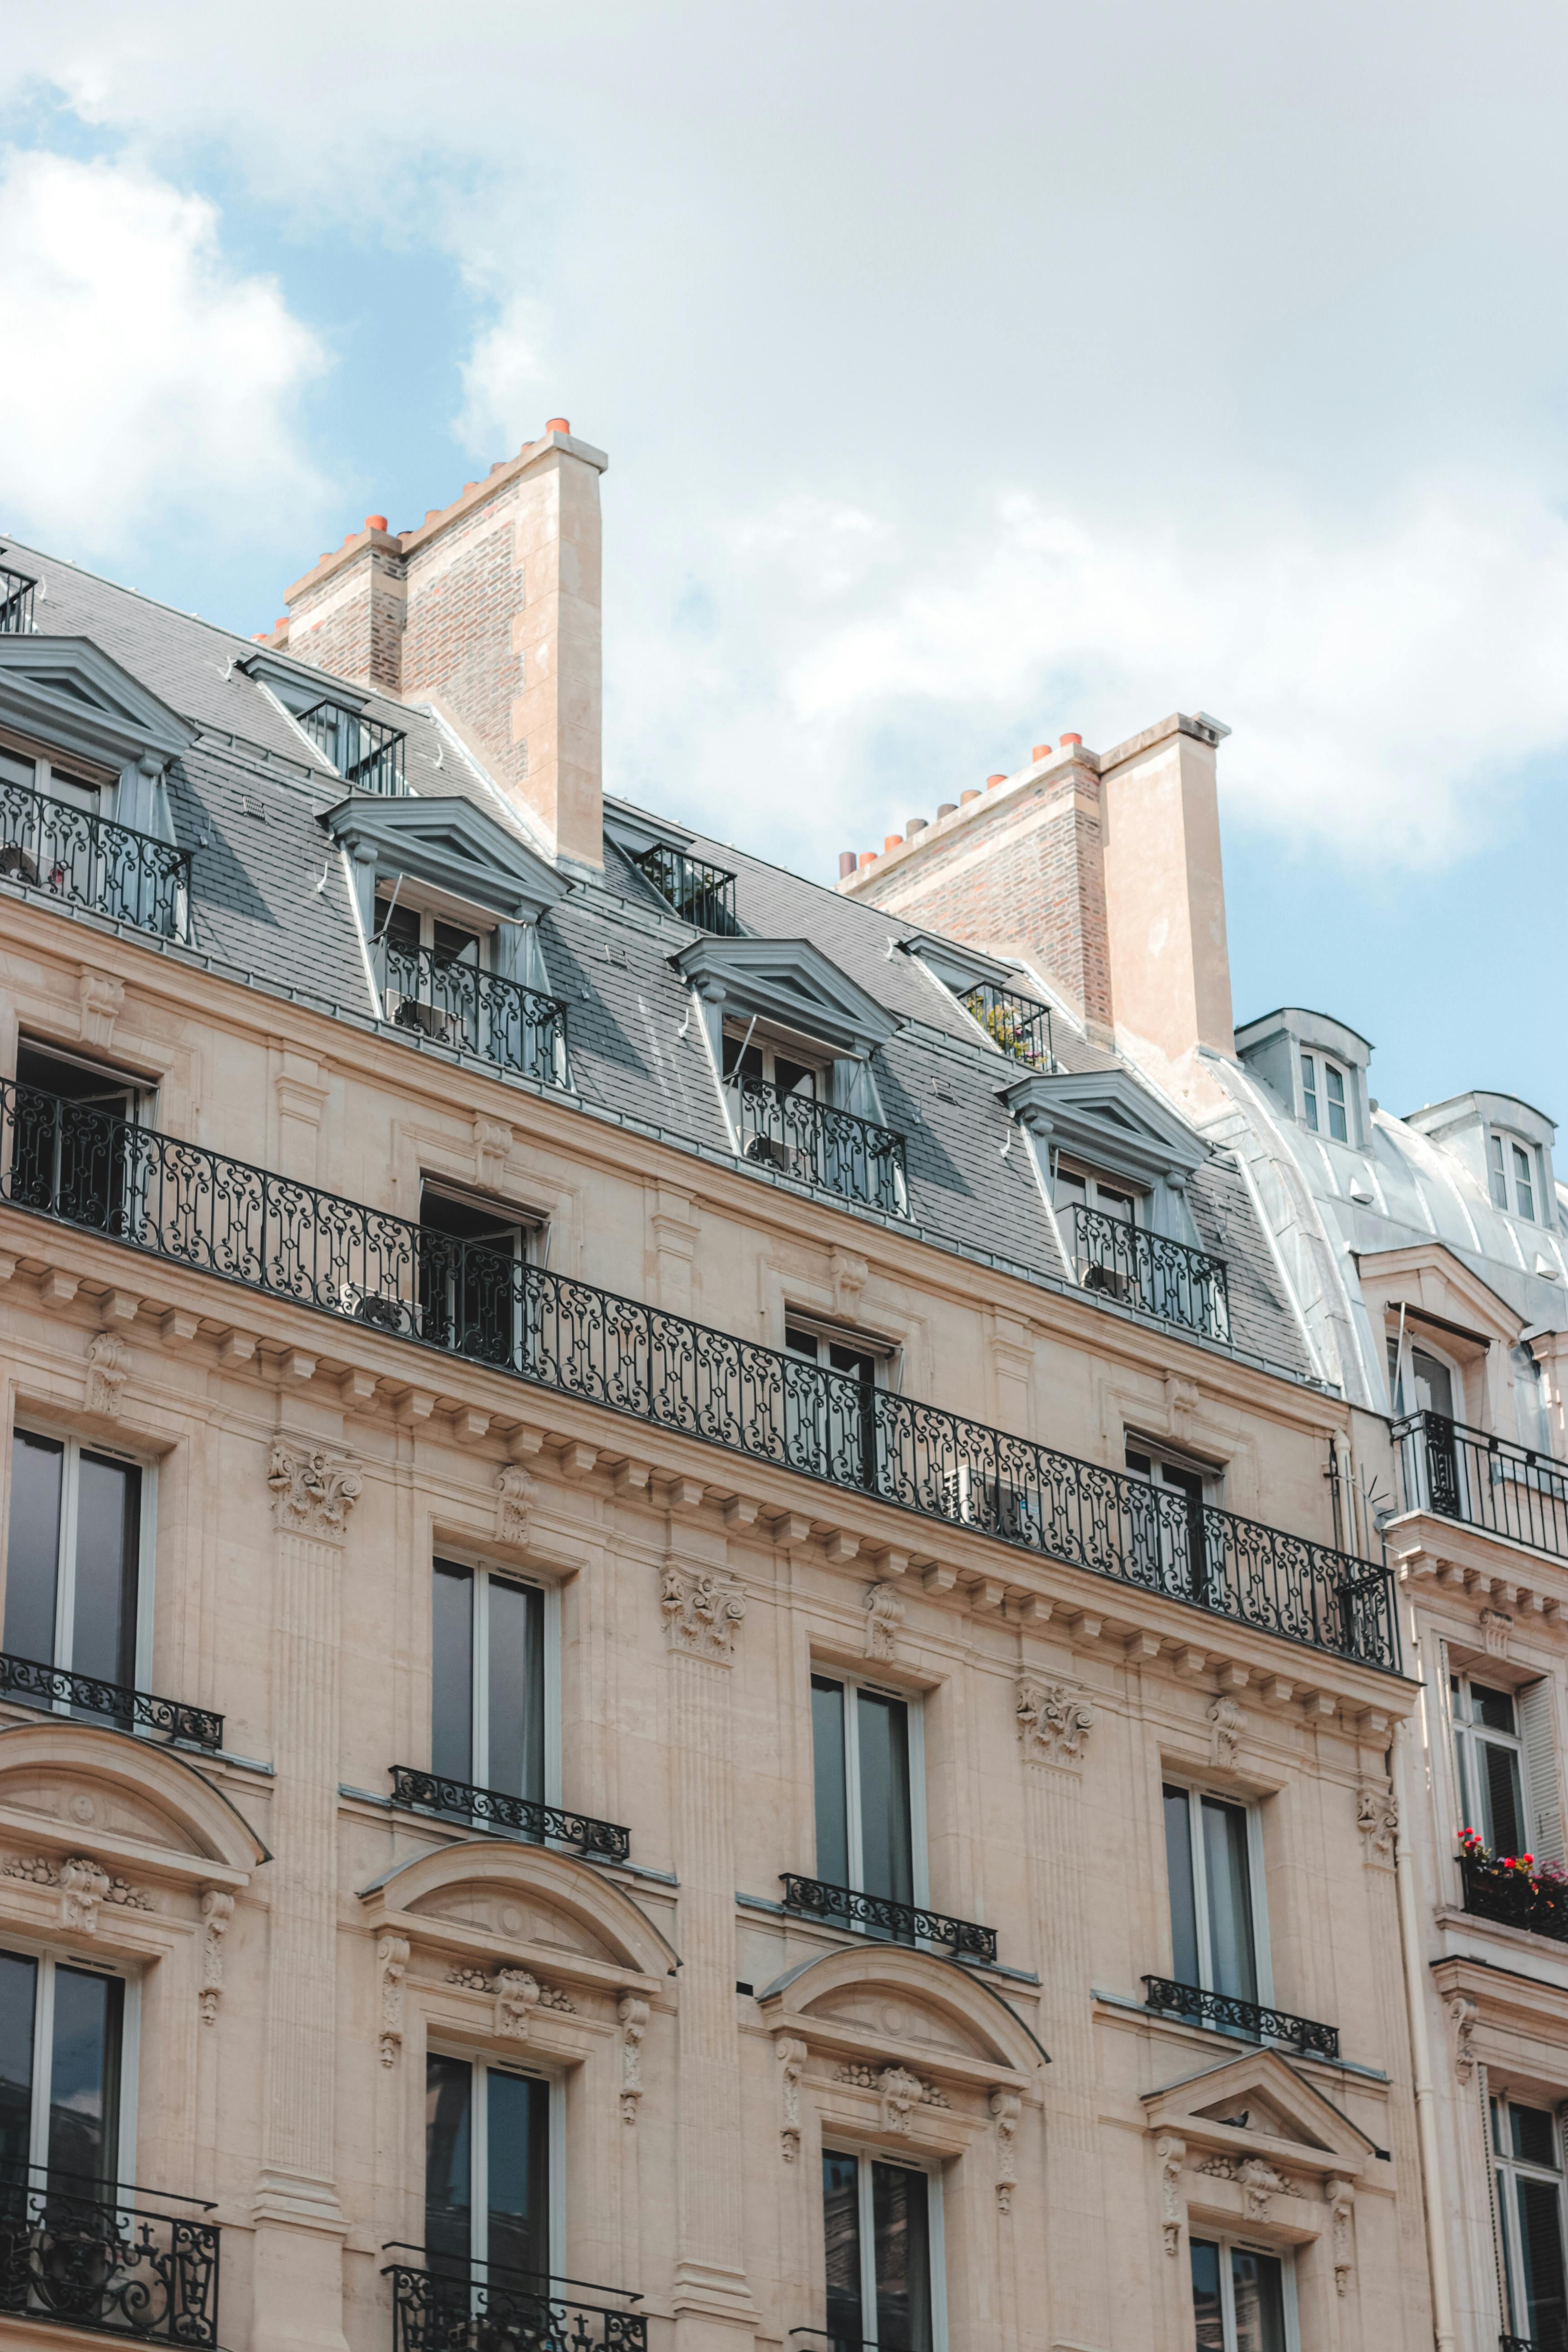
(500, 378)
(144, 379)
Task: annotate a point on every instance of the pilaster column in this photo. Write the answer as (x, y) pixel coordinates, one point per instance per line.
(299, 2222)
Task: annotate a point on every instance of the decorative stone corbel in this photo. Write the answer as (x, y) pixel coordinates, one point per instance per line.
(1226, 1724)
(218, 1910)
(791, 2056)
(884, 1617)
(313, 1491)
(515, 1490)
(1377, 1818)
(108, 1366)
(702, 1614)
(849, 1271)
(492, 1143)
(1173, 2155)
(1340, 2198)
(1006, 2107)
(517, 1997)
(1462, 2015)
(632, 2012)
(100, 995)
(391, 1961)
(1497, 1626)
(84, 1885)
(1054, 1720)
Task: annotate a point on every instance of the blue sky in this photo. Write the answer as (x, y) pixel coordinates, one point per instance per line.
(959, 389)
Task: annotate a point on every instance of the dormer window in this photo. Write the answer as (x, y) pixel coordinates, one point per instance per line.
(365, 753)
(15, 603)
(1510, 1166)
(700, 894)
(1323, 1097)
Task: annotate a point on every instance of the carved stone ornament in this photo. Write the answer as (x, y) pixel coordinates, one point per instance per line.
(1377, 1818)
(1256, 2181)
(631, 2012)
(1054, 1721)
(492, 1142)
(884, 1617)
(791, 2056)
(101, 996)
(701, 1614)
(1173, 2155)
(108, 1366)
(313, 1491)
(900, 2091)
(1462, 2015)
(517, 1996)
(391, 1963)
(1340, 2198)
(515, 1491)
(84, 1885)
(218, 1910)
(471, 1980)
(1006, 2107)
(1226, 1724)
(1496, 1627)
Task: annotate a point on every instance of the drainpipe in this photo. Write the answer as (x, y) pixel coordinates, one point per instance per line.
(1421, 2053)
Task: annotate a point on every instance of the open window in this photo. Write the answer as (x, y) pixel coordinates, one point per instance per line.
(75, 1152)
(1174, 1540)
(473, 1295)
(881, 2228)
(1527, 2151)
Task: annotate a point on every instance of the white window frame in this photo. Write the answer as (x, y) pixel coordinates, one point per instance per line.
(1315, 1098)
(1502, 1173)
(482, 1570)
(865, 2158)
(1507, 2169)
(49, 1957)
(30, 1424)
(1470, 1733)
(883, 1353)
(1068, 1163)
(1197, 1792)
(428, 917)
(912, 1703)
(1286, 2258)
(770, 1044)
(83, 775)
(483, 2064)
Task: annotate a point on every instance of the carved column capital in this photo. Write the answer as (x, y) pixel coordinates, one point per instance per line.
(313, 1491)
(702, 1614)
(1054, 1720)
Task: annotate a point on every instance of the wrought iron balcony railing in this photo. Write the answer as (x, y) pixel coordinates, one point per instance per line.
(1179, 1284)
(474, 1011)
(700, 894)
(1484, 1482)
(366, 752)
(810, 1140)
(1252, 2018)
(117, 871)
(71, 2253)
(1519, 1898)
(1518, 2343)
(203, 1212)
(1017, 1023)
(541, 1824)
(442, 2305)
(15, 603)
(57, 1688)
(899, 1923)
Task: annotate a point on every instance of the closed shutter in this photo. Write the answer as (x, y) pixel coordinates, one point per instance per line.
(1545, 1798)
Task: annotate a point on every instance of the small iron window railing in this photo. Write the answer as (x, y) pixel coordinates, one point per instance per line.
(1016, 1025)
(1159, 1277)
(441, 2304)
(542, 1824)
(474, 1011)
(15, 603)
(366, 752)
(1516, 1898)
(700, 894)
(879, 1915)
(34, 1685)
(73, 2254)
(1484, 1482)
(127, 875)
(819, 1144)
(213, 1215)
(1515, 2344)
(1255, 2019)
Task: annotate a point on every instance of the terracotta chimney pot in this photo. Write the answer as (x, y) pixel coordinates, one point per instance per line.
(556, 425)
(991, 782)
(891, 841)
(867, 857)
(1071, 739)
(375, 523)
(964, 798)
(1042, 751)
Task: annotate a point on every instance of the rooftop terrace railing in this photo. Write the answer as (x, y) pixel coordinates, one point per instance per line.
(821, 1145)
(1160, 1276)
(700, 894)
(15, 603)
(474, 1011)
(223, 1217)
(1488, 1483)
(366, 752)
(115, 870)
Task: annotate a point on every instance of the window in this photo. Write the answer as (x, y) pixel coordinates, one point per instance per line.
(37, 775)
(1215, 1881)
(62, 2108)
(76, 1157)
(1177, 1534)
(488, 1682)
(428, 969)
(881, 2234)
(866, 1756)
(487, 2150)
(1081, 1188)
(1323, 1097)
(472, 1297)
(1530, 2215)
(1511, 1168)
(1490, 1753)
(832, 1428)
(73, 1558)
(1243, 2298)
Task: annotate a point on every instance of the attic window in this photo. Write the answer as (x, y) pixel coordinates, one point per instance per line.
(1510, 1165)
(700, 894)
(365, 753)
(15, 603)
(1323, 1096)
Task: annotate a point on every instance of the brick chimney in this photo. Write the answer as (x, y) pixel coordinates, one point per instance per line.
(490, 612)
(1100, 869)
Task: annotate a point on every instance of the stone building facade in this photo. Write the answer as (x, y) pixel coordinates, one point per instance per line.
(698, 1650)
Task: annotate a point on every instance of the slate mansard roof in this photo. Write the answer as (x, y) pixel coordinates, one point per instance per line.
(271, 906)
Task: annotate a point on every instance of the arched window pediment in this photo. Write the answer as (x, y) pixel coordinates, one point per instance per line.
(78, 1787)
(504, 1901)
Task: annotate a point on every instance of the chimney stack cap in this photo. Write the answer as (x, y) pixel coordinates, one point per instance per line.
(375, 523)
(556, 425)
(1042, 751)
(1072, 739)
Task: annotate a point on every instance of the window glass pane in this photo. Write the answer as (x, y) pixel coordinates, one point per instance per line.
(14, 770)
(400, 926)
(453, 946)
(1503, 1826)
(1434, 1384)
(516, 1760)
(902, 2230)
(1396, 1378)
(856, 1361)
(1523, 1183)
(1259, 2286)
(1310, 1090)
(18, 2006)
(1114, 1204)
(1495, 1170)
(1183, 1901)
(32, 1555)
(801, 1343)
(827, 1769)
(886, 1849)
(1533, 2137)
(84, 2077)
(793, 1077)
(1541, 2261)
(1206, 2307)
(108, 1505)
(452, 1673)
(449, 2159)
(518, 2147)
(841, 2241)
(1492, 1707)
(1071, 1188)
(1228, 1885)
(1334, 1086)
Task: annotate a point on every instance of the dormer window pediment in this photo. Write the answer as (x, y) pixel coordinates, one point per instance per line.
(68, 693)
(451, 844)
(1105, 1119)
(791, 981)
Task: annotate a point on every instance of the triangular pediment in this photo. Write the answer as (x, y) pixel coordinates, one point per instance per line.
(791, 981)
(72, 694)
(1260, 2103)
(1433, 1283)
(1110, 1119)
(454, 845)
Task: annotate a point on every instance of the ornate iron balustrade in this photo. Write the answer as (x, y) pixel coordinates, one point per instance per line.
(1484, 1482)
(820, 1145)
(1021, 1027)
(1248, 2017)
(474, 1011)
(72, 2254)
(484, 2307)
(1519, 1898)
(200, 1210)
(542, 1824)
(114, 869)
(700, 894)
(366, 752)
(133, 1710)
(1515, 2344)
(1167, 1278)
(902, 1923)
(15, 603)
